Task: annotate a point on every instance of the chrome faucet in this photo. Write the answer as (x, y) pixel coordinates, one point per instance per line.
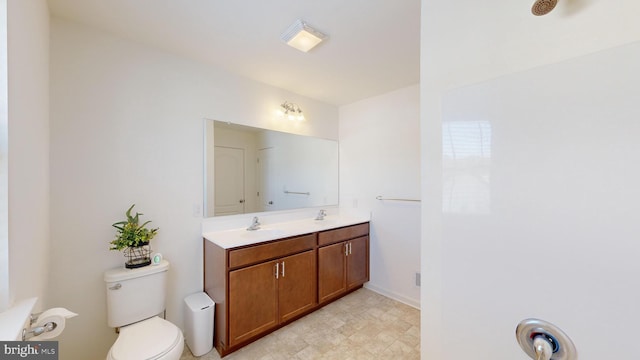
(255, 224)
(321, 214)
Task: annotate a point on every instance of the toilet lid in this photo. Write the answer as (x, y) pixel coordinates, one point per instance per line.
(146, 340)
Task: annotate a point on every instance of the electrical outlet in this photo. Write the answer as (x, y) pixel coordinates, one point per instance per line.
(417, 279)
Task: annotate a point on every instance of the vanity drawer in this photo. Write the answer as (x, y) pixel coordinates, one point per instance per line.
(258, 253)
(345, 233)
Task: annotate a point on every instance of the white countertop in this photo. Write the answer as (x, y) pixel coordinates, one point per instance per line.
(235, 237)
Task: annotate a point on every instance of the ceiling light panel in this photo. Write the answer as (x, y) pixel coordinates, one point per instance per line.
(302, 36)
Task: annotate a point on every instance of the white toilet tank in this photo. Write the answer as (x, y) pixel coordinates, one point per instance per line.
(135, 294)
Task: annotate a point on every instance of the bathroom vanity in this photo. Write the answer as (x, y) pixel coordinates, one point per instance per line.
(261, 280)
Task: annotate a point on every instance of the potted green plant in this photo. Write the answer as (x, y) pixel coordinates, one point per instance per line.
(132, 238)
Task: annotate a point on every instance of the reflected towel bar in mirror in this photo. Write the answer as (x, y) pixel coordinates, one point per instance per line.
(297, 192)
(396, 199)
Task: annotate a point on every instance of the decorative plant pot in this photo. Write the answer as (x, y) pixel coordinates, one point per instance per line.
(138, 256)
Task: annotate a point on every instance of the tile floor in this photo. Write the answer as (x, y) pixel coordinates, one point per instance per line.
(362, 325)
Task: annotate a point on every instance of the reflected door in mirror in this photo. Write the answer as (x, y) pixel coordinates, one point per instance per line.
(229, 180)
(266, 186)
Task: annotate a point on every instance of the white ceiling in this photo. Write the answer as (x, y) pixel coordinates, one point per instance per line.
(373, 45)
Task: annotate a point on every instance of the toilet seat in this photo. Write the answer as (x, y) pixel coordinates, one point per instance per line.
(150, 339)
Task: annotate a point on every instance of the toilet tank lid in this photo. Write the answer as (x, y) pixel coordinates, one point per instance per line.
(121, 273)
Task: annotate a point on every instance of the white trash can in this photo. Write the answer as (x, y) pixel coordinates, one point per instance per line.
(198, 323)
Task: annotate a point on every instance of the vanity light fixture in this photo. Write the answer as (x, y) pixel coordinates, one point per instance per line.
(291, 111)
(302, 36)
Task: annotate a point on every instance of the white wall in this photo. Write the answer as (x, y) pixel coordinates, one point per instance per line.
(380, 155)
(562, 179)
(127, 127)
(28, 162)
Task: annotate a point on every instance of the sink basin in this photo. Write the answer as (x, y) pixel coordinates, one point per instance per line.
(263, 233)
(333, 221)
(325, 222)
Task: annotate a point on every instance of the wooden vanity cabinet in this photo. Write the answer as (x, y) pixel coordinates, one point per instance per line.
(297, 285)
(259, 288)
(253, 301)
(358, 262)
(343, 261)
(265, 295)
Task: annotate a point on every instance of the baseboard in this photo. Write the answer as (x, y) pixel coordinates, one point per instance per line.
(403, 299)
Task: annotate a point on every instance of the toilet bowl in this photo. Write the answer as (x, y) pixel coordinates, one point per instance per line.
(135, 297)
(150, 339)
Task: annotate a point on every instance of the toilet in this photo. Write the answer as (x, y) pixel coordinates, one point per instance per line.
(135, 299)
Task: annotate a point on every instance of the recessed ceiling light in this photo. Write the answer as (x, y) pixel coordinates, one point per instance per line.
(302, 36)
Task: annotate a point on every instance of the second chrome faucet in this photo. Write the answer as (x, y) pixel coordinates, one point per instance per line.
(321, 214)
(255, 224)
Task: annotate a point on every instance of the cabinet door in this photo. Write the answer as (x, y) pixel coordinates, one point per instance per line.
(358, 262)
(331, 271)
(253, 293)
(297, 284)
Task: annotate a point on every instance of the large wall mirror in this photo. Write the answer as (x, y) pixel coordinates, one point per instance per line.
(251, 170)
